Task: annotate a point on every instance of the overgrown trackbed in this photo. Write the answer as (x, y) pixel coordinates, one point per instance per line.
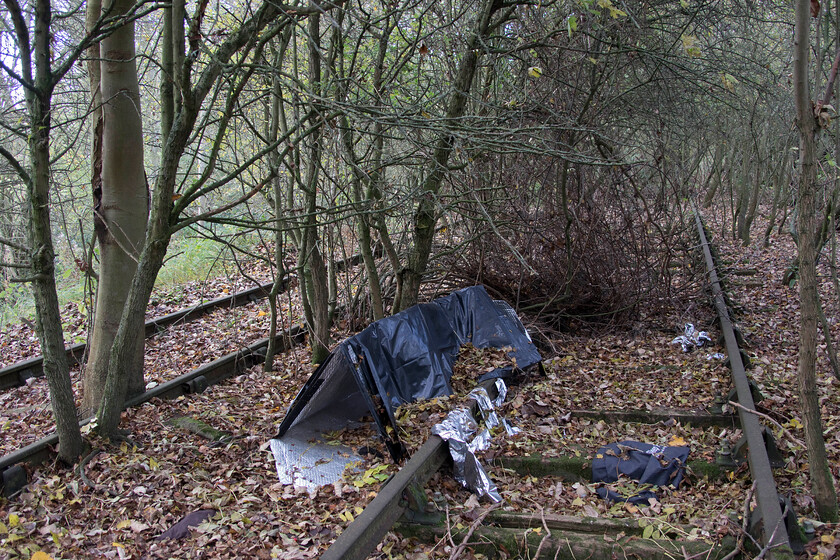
(139, 491)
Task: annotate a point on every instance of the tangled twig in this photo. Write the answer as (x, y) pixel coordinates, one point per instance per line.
(81, 470)
(475, 524)
(745, 521)
(787, 432)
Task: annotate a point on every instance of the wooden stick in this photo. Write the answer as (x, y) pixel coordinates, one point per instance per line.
(766, 417)
(745, 514)
(460, 548)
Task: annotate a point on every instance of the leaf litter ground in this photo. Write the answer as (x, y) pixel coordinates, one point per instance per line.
(132, 492)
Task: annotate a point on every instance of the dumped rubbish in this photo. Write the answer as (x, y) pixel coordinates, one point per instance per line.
(397, 360)
(648, 466)
(692, 338)
(459, 429)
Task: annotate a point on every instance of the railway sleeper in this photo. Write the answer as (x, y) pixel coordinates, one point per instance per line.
(537, 536)
(579, 468)
(699, 418)
(547, 535)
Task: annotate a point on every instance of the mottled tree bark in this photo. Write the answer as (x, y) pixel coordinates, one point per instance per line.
(822, 483)
(120, 207)
(38, 96)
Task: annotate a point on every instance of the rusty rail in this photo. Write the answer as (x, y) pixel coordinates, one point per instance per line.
(368, 529)
(194, 381)
(15, 375)
(774, 533)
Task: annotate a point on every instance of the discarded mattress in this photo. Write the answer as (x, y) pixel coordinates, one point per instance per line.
(396, 360)
(651, 465)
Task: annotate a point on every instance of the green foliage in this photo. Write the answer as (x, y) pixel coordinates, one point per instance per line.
(192, 258)
(372, 476)
(15, 301)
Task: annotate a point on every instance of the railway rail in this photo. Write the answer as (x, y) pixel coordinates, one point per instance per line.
(13, 476)
(195, 381)
(583, 536)
(15, 375)
(773, 533)
(402, 500)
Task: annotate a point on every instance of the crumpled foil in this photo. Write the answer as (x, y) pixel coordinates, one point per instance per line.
(692, 338)
(487, 409)
(459, 429)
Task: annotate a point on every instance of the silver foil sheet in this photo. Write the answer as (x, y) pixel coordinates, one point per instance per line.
(461, 430)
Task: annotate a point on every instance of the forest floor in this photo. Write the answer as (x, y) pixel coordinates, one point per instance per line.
(124, 496)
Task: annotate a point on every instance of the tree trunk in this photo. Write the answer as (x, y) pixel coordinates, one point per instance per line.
(743, 196)
(178, 38)
(276, 117)
(160, 224)
(822, 484)
(425, 216)
(167, 72)
(48, 322)
(829, 342)
(779, 179)
(314, 268)
(121, 211)
(125, 347)
(714, 173)
(749, 215)
(365, 201)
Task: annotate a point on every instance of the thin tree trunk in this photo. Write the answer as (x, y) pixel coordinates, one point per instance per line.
(835, 280)
(822, 483)
(377, 178)
(829, 341)
(276, 117)
(167, 73)
(779, 179)
(749, 215)
(180, 72)
(785, 206)
(48, 322)
(93, 10)
(363, 203)
(425, 216)
(715, 171)
(732, 211)
(742, 197)
(332, 278)
(314, 269)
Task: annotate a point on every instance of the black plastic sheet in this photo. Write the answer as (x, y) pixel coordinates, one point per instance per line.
(407, 357)
(650, 465)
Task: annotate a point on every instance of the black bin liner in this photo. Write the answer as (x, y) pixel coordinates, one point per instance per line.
(408, 357)
(655, 465)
